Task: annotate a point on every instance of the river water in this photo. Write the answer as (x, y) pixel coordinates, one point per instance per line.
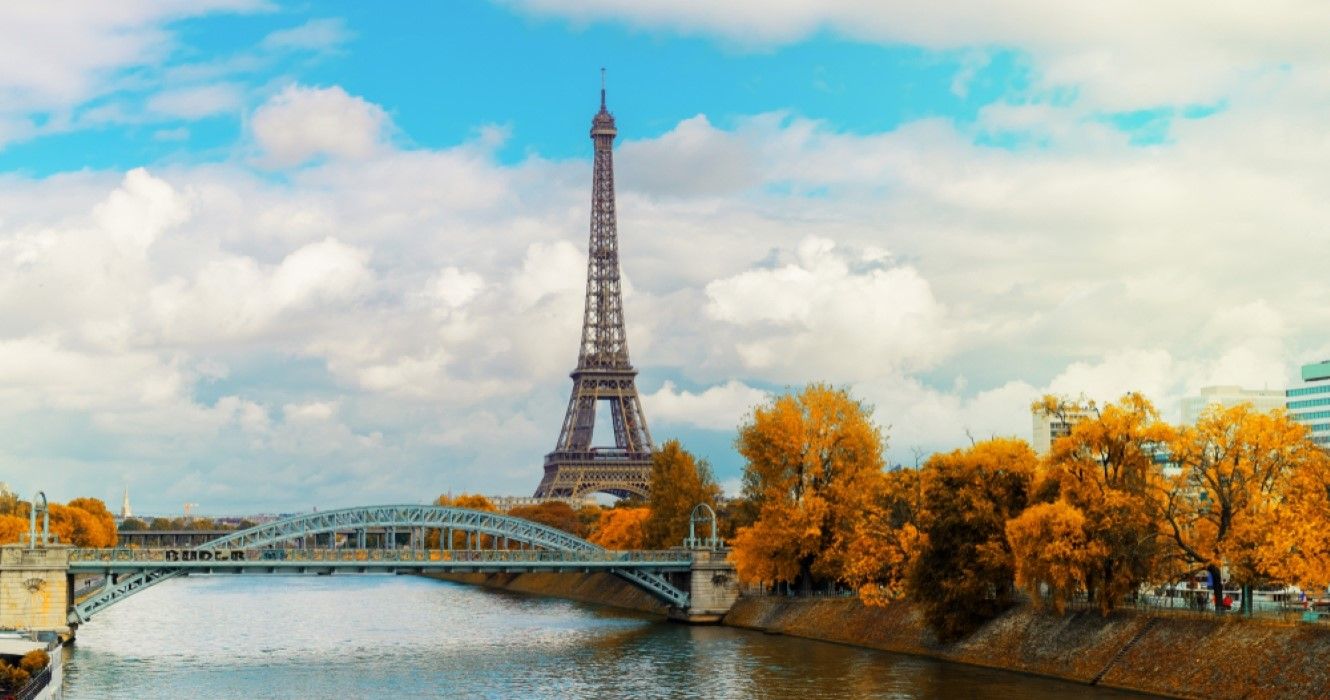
(409, 637)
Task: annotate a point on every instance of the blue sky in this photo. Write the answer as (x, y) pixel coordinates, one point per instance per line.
(275, 255)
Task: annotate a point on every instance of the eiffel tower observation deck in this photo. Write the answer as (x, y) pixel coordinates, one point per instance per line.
(604, 374)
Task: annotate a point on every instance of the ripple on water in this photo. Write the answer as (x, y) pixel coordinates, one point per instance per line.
(409, 637)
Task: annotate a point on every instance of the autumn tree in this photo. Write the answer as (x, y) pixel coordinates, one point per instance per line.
(1295, 547)
(886, 541)
(679, 481)
(76, 526)
(97, 509)
(470, 501)
(621, 528)
(556, 514)
(1107, 473)
(1237, 466)
(812, 461)
(965, 573)
(1053, 552)
(11, 504)
(12, 528)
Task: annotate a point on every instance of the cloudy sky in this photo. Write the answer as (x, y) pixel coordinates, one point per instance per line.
(263, 255)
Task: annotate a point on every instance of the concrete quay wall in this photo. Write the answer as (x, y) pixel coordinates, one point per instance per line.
(1172, 655)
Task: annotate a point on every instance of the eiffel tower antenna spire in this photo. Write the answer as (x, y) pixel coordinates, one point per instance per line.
(604, 373)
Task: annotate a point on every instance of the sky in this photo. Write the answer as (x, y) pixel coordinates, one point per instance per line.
(264, 256)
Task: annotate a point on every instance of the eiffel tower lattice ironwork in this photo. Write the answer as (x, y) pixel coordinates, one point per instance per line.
(576, 468)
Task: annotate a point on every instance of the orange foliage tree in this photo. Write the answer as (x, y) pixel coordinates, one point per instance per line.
(679, 481)
(1296, 544)
(964, 572)
(1106, 472)
(1052, 548)
(12, 528)
(886, 540)
(621, 528)
(556, 514)
(1221, 508)
(813, 460)
(470, 501)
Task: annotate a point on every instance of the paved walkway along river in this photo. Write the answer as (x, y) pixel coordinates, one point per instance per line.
(408, 637)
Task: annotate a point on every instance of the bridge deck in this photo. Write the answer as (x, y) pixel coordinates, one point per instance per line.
(126, 560)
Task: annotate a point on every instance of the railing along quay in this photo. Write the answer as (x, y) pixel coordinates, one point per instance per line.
(231, 557)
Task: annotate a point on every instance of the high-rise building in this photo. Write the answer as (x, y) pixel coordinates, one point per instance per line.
(125, 510)
(1309, 403)
(1263, 400)
(1049, 426)
(604, 375)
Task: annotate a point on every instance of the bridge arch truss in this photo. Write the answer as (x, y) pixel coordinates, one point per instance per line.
(497, 525)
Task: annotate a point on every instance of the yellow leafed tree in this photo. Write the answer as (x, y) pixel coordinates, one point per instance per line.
(1052, 550)
(621, 528)
(886, 540)
(1108, 469)
(1237, 468)
(1295, 547)
(813, 459)
(679, 481)
(964, 573)
(12, 528)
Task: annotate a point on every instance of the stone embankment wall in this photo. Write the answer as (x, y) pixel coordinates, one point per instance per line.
(1174, 655)
(599, 588)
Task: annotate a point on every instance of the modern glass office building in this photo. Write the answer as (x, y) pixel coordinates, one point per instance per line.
(1309, 404)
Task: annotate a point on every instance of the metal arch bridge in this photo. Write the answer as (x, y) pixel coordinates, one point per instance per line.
(249, 551)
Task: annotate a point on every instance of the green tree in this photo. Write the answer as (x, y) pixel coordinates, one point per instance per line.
(132, 525)
(679, 481)
(159, 524)
(965, 574)
(812, 461)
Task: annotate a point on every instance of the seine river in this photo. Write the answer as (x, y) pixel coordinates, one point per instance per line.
(408, 637)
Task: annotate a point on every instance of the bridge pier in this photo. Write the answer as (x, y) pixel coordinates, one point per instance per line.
(35, 588)
(712, 585)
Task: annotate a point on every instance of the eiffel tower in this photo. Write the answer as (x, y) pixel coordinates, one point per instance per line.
(576, 468)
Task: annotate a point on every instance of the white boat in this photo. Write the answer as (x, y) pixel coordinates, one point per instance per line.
(47, 684)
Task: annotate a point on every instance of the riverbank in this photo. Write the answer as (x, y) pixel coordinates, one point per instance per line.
(1173, 655)
(1180, 655)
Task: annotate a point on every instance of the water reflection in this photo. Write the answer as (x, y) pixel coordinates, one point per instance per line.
(406, 637)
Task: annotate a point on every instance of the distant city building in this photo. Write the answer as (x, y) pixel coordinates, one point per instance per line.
(1051, 426)
(1263, 400)
(125, 510)
(1309, 403)
(507, 503)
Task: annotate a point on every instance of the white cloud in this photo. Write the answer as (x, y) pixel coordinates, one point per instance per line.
(197, 102)
(719, 407)
(1125, 55)
(54, 55)
(181, 325)
(324, 34)
(301, 123)
(830, 315)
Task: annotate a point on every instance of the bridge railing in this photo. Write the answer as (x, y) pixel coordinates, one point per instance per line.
(132, 555)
